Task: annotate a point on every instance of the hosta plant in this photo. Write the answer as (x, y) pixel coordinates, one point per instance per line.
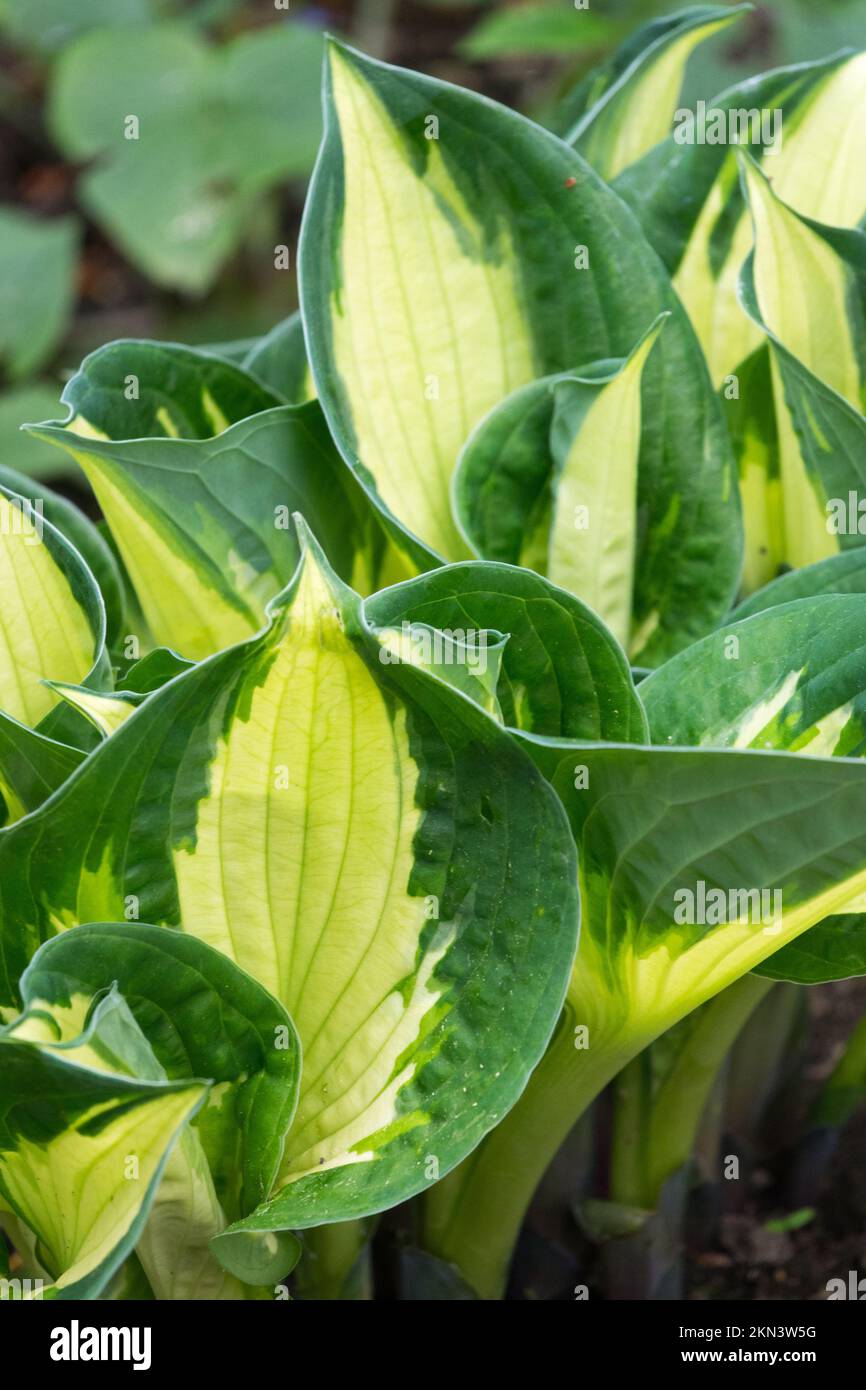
(310, 769)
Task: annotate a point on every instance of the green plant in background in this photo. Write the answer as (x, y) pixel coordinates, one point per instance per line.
(38, 261)
(333, 737)
(178, 134)
(184, 138)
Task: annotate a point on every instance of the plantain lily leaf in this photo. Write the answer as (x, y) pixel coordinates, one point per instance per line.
(687, 194)
(833, 950)
(368, 845)
(545, 481)
(32, 766)
(572, 506)
(53, 620)
(105, 711)
(200, 1014)
(83, 1141)
(818, 363)
(194, 1013)
(415, 335)
(135, 388)
(696, 865)
(279, 360)
(822, 322)
(752, 420)
(203, 523)
(624, 108)
(595, 443)
(80, 531)
(654, 825)
(792, 677)
(839, 574)
(561, 671)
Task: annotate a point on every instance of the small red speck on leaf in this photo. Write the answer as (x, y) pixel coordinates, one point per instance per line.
(569, 183)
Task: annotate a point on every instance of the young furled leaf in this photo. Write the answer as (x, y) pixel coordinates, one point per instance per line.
(624, 108)
(561, 672)
(551, 479)
(806, 125)
(805, 285)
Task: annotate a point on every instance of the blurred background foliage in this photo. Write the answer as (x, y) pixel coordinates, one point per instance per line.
(165, 225)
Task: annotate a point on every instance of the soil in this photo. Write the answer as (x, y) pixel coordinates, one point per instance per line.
(746, 1261)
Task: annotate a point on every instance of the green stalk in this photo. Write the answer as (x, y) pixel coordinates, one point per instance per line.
(845, 1087)
(841, 1095)
(630, 1132)
(680, 1101)
(655, 1127)
(759, 1059)
(473, 1217)
(334, 1266)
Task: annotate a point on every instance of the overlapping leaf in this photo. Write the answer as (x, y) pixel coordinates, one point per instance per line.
(626, 106)
(364, 842)
(441, 269)
(72, 1107)
(688, 198)
(549, 479)
(805, 286)
(198, 468)
(168, 1009)
(53, 627)
(561, 672)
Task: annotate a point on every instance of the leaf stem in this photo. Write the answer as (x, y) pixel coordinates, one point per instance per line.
(473, 1217)
(679, 1102)
(333, 1266)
